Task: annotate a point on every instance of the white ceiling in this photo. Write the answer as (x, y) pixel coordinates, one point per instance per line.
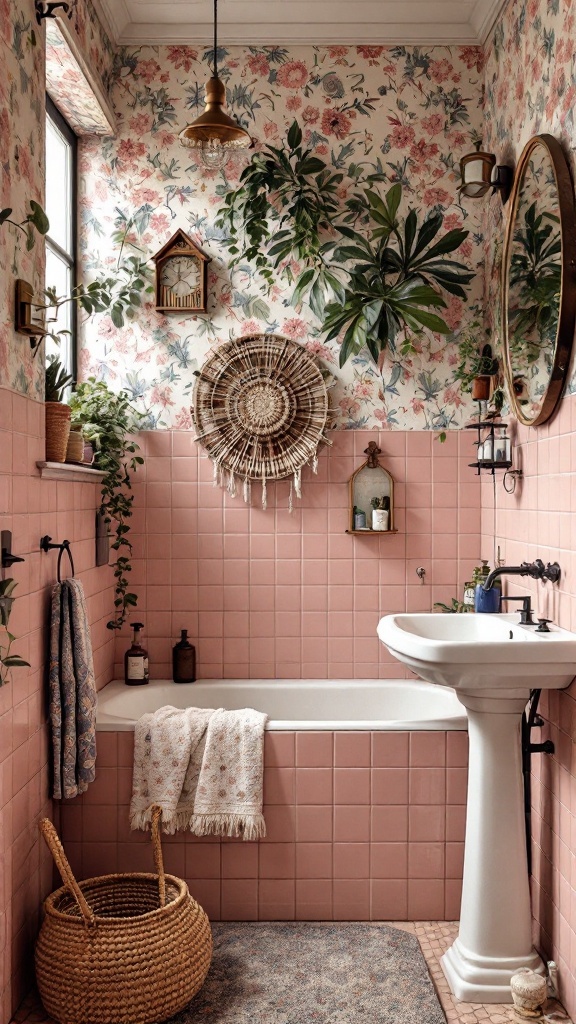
(284, 22)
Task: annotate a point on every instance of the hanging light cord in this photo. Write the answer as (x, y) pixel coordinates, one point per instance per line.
(215, 39)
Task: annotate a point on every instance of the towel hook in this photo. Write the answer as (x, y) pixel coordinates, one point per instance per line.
(46, 545)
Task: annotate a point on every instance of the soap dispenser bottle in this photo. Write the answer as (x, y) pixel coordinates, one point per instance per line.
(136, 671)
(184, 660)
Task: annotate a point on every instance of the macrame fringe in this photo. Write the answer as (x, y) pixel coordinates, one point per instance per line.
(171, 823)
(298, 482)
(231, 486)
(264, 494)
(290, 502)
(247, 491)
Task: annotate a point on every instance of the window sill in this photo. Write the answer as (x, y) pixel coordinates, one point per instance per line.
(70, 471)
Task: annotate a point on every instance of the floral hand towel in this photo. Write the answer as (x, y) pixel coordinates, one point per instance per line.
(203, 767)
(72, 692)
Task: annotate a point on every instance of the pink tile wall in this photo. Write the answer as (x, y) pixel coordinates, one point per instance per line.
(31, 507)
(539, 521)
(274, 594)
(360, 826)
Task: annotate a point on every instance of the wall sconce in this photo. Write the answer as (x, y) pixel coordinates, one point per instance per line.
(23, 314)
(480, 174)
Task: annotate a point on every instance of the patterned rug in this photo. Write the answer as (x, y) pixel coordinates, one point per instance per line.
(315, 974)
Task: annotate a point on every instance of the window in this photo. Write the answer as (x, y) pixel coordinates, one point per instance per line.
(61, 238)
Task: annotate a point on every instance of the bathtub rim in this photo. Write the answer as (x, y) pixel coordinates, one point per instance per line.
(455, 723)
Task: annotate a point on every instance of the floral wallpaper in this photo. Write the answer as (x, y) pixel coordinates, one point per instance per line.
(408, 112)
(530, 77)
(68, 81)
(22, 110)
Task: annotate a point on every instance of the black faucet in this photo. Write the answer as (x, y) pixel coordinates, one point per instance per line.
(537, 570)
(526, 610)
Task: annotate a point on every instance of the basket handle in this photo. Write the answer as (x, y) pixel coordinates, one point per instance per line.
(157, 849)
(61, 861)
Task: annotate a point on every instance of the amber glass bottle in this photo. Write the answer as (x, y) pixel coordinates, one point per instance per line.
(136, 671)
(184, 660)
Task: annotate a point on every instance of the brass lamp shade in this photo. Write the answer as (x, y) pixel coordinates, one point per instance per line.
(476, 173)
(214, 133)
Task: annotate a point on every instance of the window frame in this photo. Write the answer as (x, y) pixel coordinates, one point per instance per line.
(70, 258)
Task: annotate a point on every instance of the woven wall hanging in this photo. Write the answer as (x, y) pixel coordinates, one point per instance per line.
(260, 409)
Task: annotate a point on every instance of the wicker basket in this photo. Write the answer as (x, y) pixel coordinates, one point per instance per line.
(57, 430)
(120, 949)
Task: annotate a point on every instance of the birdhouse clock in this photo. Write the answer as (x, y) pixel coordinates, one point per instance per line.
(181, 276)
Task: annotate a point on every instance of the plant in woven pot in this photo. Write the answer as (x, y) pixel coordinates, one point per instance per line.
(58, 413)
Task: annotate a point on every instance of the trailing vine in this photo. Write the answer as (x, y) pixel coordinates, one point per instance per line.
(107, 420)
(8, 661)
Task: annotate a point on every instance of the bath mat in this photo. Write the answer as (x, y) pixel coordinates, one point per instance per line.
(315, 974)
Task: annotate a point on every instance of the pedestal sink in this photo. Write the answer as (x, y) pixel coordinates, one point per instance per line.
(492, 663)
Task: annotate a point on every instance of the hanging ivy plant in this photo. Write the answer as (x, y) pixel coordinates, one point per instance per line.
(8, 660)
(366, 273)
(107, 420)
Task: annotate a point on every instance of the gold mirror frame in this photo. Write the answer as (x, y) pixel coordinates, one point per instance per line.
(567, 313)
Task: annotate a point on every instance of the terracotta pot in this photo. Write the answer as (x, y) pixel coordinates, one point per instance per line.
(58, 418)
(481, 388)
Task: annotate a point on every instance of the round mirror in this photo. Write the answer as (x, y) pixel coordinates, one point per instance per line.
(539, 286)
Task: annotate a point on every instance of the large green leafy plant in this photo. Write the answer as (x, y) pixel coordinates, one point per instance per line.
(8, 660)
(367, 274)
(107, 420)
(36, 220)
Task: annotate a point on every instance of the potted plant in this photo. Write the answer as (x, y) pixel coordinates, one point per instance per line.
(58, 413)
(108, 419)
(477, 367)
(7, 660)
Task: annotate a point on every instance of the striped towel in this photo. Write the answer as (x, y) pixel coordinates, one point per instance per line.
(72, 692)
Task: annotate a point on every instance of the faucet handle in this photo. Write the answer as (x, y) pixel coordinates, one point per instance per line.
(542, 626)
(552, 572)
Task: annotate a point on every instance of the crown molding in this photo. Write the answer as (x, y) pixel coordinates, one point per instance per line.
(483, 17)
(288, 34)
(115, 17)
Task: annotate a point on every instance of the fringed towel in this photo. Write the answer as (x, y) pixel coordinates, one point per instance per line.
(203, 767)
(72, 692)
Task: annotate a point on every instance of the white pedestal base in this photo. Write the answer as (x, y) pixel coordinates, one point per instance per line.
(495, 937)
(475, 979)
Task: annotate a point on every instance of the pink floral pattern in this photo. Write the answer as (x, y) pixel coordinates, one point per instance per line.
(403, 111)
(67, 84)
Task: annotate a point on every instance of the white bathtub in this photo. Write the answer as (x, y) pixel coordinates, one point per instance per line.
(294, 704)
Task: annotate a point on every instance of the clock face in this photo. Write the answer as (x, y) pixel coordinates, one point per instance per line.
(181, 280)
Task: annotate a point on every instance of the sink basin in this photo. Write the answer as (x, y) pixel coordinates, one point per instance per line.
(481, 652)
(492, 663)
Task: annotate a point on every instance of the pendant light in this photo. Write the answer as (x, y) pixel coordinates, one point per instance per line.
(214, 134)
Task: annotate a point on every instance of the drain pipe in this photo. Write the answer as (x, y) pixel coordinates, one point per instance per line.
(530, 719)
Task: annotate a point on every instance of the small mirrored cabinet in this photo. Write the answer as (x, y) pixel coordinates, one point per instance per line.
(371, 497)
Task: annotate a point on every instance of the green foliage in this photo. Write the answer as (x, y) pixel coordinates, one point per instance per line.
(107, 420)
(36, 220)
(535, 283)
(455, 607)
(364, 272)
(7, 660)
(474, 358)
(56, 381)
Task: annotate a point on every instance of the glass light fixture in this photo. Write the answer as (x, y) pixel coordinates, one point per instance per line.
(480, 175)
(214, 134)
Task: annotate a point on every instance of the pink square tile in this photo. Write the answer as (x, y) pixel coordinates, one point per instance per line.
(279, 785)
(314, 823)
(457, 749)
(279, 749)
(425, 899)
(389, 860)
(426, 824)
(427, 749)
(239, 860)
(352, 749)
(239, 899)
(202, 860)
(314, 750)
(277, 860)
(453, 899)
(280, 824)
(426, 860)
(276, 900)
(389, 824)
(390, 749)
(352, 785)
(390, 785)
(313, 785)
(428, 785)
(454, 860)
(351, 860)
(314, 899)
(351, 899)
(313, 860)
(455, 822)
(456, 785)
(389, 899)
(351, 824)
